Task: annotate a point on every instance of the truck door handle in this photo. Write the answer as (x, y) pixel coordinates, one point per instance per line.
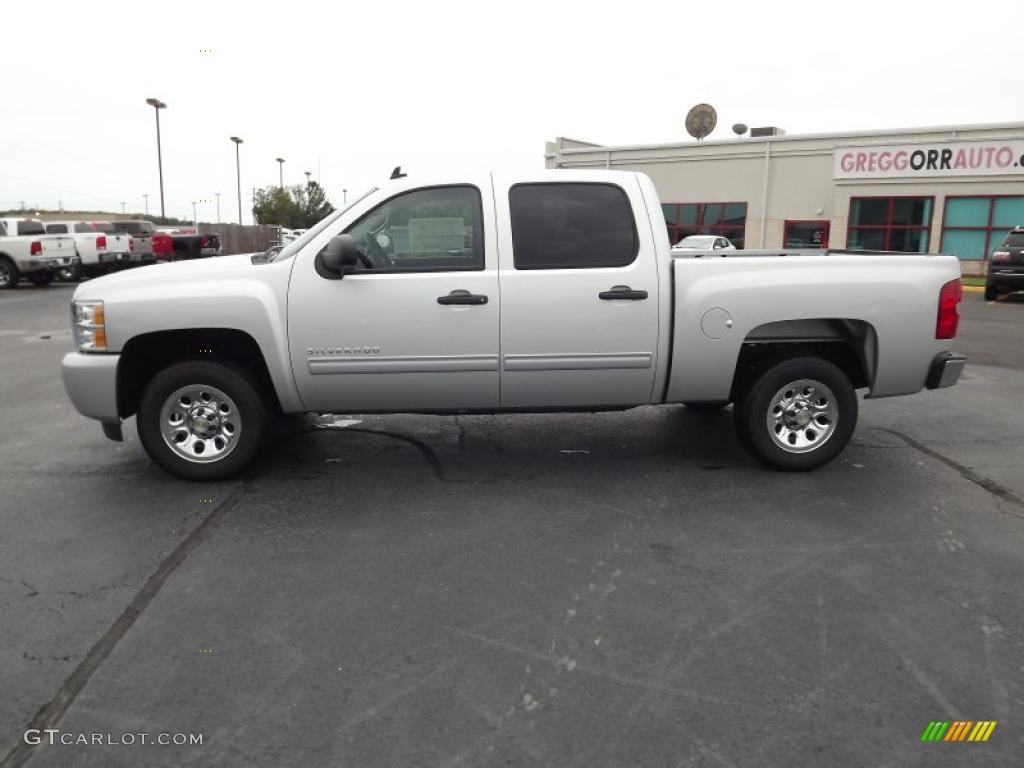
(460, 296)
(620, 292)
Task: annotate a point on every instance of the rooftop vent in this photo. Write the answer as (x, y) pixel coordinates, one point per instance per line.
(767, 130)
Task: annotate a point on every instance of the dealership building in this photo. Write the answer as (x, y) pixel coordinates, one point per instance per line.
(954, 189)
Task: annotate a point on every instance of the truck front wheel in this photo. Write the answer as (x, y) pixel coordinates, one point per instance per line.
(202, 420)
(797, 415)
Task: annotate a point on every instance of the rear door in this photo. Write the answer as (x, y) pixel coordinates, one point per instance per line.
(579, 291)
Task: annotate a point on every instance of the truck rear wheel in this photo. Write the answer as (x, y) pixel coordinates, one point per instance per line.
(797, 415)
(40, 278)
(8, 273)
(202, 420)
(991, 293)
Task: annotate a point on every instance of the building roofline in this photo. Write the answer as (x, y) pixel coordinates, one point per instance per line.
(794, 137)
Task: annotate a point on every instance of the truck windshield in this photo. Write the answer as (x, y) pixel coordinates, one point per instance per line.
(296, 245)
(1014, 241)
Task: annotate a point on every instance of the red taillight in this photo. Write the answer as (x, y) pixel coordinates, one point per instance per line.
(131, 244)
(949, 317)
(101, 242)
(36, 249)
(203, 241)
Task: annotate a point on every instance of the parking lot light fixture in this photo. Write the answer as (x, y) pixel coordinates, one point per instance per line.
(280, 172)
(238, 169)
(157, 105)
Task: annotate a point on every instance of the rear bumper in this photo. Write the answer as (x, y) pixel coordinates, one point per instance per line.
(91, 383)
(47, 262)
(945, 370)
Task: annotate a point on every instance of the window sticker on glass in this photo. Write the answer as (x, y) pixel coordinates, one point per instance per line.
(436, 234)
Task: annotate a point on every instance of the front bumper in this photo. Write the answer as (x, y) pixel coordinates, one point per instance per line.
(209, 251)
(1006, 275)
(91, 382)
(945, 370)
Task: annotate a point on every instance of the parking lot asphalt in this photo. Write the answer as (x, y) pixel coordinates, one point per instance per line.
(624, 589)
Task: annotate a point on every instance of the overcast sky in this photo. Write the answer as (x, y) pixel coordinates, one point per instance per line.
(348, 90)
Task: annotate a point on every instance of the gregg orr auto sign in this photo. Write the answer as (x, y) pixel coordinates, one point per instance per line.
(952, 158)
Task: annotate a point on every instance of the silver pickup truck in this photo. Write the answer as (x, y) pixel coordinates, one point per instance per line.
(505, 293)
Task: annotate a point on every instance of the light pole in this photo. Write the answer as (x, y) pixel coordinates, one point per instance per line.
(308, 175)
(195, 224)
(280, 171)
(146, 198)
(344, 196)
(157, 105)
(218, 206)
(238, 166)
(122, 207)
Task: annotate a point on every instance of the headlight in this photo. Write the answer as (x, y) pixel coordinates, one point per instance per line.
(88, 325)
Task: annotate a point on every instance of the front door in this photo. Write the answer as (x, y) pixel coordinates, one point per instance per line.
(415, 327)
(579, 281)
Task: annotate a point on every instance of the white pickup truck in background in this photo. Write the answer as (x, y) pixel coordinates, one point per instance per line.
(97, 251)
(27, 251)
(504, 293)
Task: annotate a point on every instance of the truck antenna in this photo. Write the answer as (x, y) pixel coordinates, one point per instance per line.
(397, 173)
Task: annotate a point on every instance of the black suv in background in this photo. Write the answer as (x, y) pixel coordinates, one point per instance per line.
(1006, 267)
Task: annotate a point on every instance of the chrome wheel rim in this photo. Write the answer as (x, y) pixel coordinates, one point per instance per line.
(5, 275)
(200, 423)
(802, 416)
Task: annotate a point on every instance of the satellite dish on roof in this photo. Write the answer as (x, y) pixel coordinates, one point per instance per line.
(701, 121)
(739, 129)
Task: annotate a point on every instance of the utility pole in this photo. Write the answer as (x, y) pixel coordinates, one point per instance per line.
(218, 206)
(122, 207)
(146, 198)
(280, 171)
(238, 166)
(195, 224)
(22, 204)
(344, 196)
(157, 105)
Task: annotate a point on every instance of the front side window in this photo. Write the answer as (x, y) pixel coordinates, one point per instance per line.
(571, 226)
(56, 229)
(439, 229)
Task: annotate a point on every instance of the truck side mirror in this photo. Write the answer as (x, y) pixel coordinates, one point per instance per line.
(340, 256)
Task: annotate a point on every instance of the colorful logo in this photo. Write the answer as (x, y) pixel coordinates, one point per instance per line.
(958, 730)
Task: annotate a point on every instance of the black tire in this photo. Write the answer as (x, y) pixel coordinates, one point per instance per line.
(41, 279)
(708, 407)
(753, 408)
(253, 414)
(991, 294)
(9, 273)
(179, 255)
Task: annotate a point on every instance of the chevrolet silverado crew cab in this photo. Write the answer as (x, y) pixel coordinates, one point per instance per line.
(540, 291)
(27, 251)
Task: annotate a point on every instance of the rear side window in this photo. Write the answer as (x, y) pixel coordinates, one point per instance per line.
(83, 226)
(571, 226)
(29, 227)
(56, 229)
(104, 226)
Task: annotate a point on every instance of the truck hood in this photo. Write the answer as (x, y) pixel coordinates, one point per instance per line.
(198, 270)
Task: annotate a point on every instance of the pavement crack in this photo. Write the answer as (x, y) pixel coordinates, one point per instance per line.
(985, 483)
(51, 713)
(428, 452)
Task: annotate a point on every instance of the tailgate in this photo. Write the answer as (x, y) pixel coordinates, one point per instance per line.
(57, 246)
(118, 243)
